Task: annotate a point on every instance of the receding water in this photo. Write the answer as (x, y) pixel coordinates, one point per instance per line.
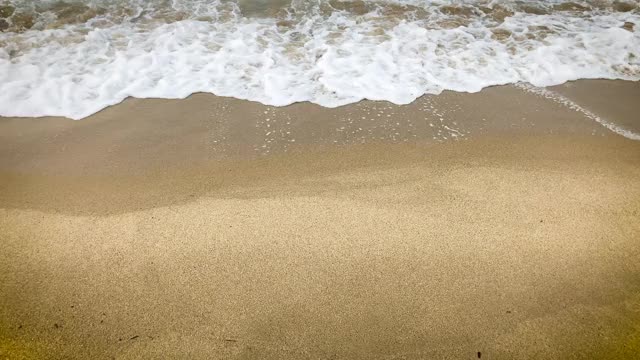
(73, 58)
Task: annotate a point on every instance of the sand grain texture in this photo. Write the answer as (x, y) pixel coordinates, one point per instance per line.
(516, 244)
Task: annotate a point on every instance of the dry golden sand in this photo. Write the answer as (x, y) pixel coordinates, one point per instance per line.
(142, 233)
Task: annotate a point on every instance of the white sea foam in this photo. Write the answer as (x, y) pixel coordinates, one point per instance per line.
(329, 57)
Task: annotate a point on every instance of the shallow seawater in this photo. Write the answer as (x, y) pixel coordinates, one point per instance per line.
(262, 8)
(73, 58)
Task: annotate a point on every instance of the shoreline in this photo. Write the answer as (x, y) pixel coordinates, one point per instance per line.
(133, 234)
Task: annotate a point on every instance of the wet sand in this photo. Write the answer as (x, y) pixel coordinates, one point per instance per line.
(500, 224)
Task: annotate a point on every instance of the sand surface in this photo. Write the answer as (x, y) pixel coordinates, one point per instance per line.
(180, 229)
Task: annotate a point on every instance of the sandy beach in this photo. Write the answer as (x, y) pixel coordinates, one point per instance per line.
(497, 225)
